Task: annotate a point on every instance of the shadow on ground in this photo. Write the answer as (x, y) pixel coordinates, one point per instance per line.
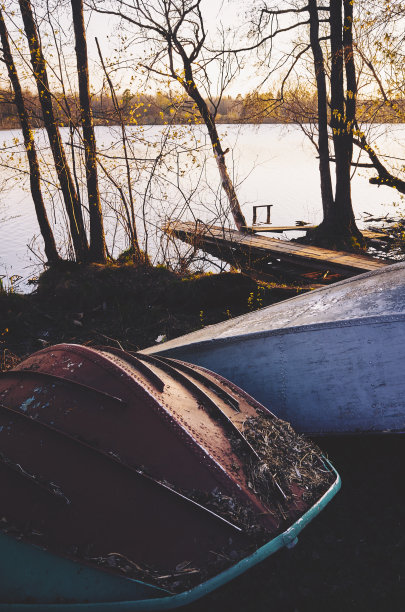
(351, 558)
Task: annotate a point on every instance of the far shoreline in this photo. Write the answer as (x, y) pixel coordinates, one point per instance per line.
(238, 123)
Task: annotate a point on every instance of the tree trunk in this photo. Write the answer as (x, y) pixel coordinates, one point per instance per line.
(35, 176)
(350, 104)
(71, 200)
(342, 116)
(191, 89)
(323, 137)
(338, 228)
(97, 237)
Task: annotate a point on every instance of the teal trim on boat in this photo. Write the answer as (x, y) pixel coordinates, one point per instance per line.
(30, 573)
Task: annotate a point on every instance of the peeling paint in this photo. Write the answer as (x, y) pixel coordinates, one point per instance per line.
(25, 405)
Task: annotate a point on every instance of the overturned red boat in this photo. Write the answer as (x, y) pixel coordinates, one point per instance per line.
(157, 470)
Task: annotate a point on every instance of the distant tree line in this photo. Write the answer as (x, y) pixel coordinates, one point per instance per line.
(161, 108)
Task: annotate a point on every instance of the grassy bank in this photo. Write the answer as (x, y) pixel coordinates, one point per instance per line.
(124, 305)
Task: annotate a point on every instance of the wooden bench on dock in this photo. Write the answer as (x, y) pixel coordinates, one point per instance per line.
(252, 250)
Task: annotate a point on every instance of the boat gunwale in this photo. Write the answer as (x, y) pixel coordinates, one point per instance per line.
(359, 277)
(341, 323)
(284, 539)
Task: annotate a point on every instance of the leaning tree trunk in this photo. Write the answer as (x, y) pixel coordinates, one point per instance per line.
(385, 177)
(97, 237)
(208, 118)
(69, 193)
(29, 143)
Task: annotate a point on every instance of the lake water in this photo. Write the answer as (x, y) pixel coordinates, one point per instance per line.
(271, 164)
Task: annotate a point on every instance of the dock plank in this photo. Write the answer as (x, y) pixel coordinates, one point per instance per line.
(255, 246)
(279, 229)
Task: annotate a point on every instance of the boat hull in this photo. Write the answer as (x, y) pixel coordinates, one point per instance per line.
(356, 388)
(329, 362)
(140, 483)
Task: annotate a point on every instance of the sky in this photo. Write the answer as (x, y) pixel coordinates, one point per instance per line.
(227, 14)
(230, 15)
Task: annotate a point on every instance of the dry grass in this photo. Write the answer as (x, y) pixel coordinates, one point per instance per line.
(287, 461)
(8, 359)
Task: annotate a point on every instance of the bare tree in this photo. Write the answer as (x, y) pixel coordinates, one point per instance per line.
(336, 103)
(322, 101)
(339, 226)
(128, 202)
(178, 31)
(70, 196)
(383, 68)
(30, 147)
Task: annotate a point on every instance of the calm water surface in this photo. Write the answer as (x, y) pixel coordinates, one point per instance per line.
(272, 164)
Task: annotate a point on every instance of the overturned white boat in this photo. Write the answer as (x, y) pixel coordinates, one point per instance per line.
(329, 361)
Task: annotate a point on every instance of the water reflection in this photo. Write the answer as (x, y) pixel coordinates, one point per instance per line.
(271, 164)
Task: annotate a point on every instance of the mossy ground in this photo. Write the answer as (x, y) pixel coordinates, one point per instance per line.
(124, 304)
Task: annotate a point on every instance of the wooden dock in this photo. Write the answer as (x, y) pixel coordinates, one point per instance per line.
(261, 253)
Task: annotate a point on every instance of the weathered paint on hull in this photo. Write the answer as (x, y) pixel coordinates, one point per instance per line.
(333, 374)
(108, 464)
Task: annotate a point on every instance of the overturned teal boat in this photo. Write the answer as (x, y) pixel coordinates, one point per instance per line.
(133, 482)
